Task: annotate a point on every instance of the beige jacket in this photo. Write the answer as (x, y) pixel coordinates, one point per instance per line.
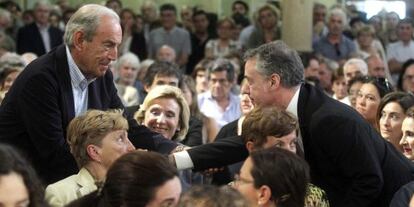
(63, 192)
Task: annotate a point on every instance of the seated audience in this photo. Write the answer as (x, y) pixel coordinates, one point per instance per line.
(232, 129)
(39, 37)
(213, 196)
(366, 43)
(407, 140)
(265, 180)
(199, 74)
(223, 45)
(353, 88)
(340, 88)
(165, 111)
(406, 78)
(354, 67)
(96, 139)
(166, 54)
(127, 68)
(311, 65)
(335, 46)
(319, 26)
(7, 77)
(132, 41)
(199, 38)
(390, 115)
(19, 184)
(267, 28)
(403, 49)
(389, 34)
(209, 130)
(138, 178)
(218, 102)
(271, 127)
(325, 75)
(170, 34)
(369, 96)
(376, 67)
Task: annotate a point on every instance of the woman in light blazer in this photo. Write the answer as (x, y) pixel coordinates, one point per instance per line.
(96, 139)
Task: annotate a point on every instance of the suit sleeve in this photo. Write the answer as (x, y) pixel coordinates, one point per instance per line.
(41, 116)
(354, 157)
(218, 154)
(194, 135)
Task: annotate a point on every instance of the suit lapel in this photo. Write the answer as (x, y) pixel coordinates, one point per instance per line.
(85, 182)
(62, 73)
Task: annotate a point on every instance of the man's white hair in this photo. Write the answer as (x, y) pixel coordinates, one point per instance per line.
(359, 63)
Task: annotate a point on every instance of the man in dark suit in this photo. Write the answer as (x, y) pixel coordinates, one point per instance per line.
(347, 157)
(39, 37)
(62, 84)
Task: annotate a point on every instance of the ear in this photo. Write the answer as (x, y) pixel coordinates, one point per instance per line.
(264, 195)
(274, 80)
(147, 88)
(78, 40)
(250, 146)
(93, 152)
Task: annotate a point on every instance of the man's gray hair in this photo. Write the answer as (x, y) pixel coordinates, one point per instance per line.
(277, 57)
(222, 64)
(130, 58)
(339, 13)
(40, 3)
(359, 63)
(86, 19)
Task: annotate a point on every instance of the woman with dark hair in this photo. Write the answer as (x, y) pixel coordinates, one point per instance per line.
(7, 78)
(391, 114)
(137, 179)
(369, 97)
(265, 180)
(19, 185)
(132, 40)
(406, 78)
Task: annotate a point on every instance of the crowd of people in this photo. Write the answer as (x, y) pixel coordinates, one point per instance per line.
(102, 106)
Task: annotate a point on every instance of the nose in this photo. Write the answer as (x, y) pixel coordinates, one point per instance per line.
(130, 146)
(360, 101)
(113, 53)
(402, 141)
(245, 90)
(161, 118)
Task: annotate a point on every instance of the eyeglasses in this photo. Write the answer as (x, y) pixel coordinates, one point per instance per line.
(240, 181)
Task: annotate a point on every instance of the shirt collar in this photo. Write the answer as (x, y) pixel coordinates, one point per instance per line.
(41, 27)
(76, 76)
(293, 104)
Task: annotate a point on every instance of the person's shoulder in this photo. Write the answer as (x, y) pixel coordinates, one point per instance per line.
(156, 31)
(394, 45)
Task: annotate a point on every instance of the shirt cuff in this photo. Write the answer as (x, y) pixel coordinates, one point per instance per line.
(183, 160)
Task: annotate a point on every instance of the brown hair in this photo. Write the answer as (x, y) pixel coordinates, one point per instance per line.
(410, 112)
(263, 122)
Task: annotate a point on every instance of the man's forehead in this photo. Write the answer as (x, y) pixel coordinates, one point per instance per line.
(166, 77)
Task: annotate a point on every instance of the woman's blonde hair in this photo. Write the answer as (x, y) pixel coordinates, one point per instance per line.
(167, 91)
(91, 128)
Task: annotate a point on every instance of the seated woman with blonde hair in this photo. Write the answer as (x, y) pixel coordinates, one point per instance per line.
(96, 140)
(165, 110)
